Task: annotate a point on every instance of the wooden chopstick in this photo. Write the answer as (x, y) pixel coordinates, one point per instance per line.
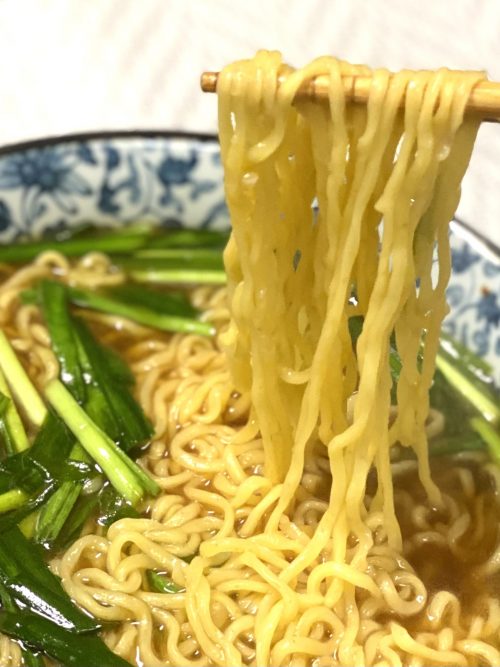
(484, 99)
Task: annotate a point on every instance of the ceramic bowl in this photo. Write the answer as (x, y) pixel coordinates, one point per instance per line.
(176, 180)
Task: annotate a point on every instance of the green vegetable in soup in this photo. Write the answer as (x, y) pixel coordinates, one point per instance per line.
(11, 500)
(19, 383)
(117, 241)
(125, 475)
(29, 582)
(53, 301)
(69, 649)
(158, 274)
(30, 658)
(160, 302)
(489, 434)
(55, 512)
(463, 392)
(11, 427)
(120, 307)
(162, 584)
(109, 401)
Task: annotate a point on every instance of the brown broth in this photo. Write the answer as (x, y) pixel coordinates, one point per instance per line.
(437, 566)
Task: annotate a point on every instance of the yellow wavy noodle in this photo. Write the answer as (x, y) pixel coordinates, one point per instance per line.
(291, 568)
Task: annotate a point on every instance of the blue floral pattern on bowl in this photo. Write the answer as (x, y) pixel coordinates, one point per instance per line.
(176, 180)
(474, 294)
(166, 179)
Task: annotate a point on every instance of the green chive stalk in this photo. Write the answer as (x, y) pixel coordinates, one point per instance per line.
(124, 475)
(19, 383)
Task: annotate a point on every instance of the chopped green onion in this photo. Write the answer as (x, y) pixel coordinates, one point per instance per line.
(49, 461)
(56, 510)
(147, 483)
(125, 475)
(113, 306)
(161, 302)
(108, 241)
(472, 393)
(162, 584)
(178, 276)
(83, 509)
(29, 659)
(53, 301)
(203, 256)
(27, 526)
(117, 241)
(189, 238)
(21, 386)
(113, 507)
(174, 260)
(467, 359)
(109, 400)
(447, 445)
(5, 434)
(29, 581)
(112, 363)
(67, 648)
(490, 436)
(29, 296)
(4, 403)
(11, 500)
(12, 421)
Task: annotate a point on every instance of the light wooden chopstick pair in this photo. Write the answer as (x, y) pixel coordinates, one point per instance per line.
(484, 99)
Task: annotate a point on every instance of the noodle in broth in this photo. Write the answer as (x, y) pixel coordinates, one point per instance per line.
(310, 547)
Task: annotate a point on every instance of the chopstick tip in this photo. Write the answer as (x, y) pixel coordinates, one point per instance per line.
(208, 82)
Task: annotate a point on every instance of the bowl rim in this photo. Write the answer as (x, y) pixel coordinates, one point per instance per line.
(28, 144)
(481, 243)
(488, 249)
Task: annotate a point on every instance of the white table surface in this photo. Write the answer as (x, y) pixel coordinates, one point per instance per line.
(77, 65)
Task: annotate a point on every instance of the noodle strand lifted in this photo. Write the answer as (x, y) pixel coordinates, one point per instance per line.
(294, 272)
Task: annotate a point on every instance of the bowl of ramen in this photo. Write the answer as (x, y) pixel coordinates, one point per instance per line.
(248, 403)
